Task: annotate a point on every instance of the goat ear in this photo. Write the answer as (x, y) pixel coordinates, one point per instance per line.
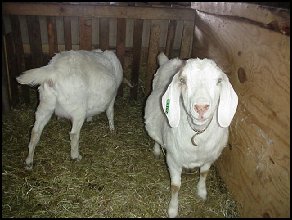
(170, 102)
(227, 104)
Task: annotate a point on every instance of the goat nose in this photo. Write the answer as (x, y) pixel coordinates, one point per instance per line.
(201, 109)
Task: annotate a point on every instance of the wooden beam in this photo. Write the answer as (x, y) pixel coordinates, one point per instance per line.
(103, 33)
(137, 47)
(67, 33)
(186, 40)
(19, 53)
(152, 55)
(63, 9)
(121, 39)
(52, 36)
(85, 33)
(10, 54)
(35, 41)
(170, 38)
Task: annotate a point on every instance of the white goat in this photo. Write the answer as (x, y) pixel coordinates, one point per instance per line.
(188, 113)
(76, 85)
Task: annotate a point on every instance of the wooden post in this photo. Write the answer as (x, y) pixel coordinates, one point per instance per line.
(170, 38)
(52, 36)
(85, 33)
(11, 64)
(35, 41)
(121, 38)
(19, 53)
(152, 55)
(5, 90)
(186, 41)
(103, 33)
(67, 33)
(137, 48)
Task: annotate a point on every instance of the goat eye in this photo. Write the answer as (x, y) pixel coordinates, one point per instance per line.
(182, 80)
(219, 81)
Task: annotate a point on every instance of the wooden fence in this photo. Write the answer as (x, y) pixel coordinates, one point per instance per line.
(17, 60)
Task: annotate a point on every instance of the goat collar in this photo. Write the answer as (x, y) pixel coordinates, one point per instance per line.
(199, 132)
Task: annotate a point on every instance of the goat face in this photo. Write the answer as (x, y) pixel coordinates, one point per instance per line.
(205, 90)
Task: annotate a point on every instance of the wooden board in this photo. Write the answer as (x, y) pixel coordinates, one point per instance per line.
(256, 165)
(67, 33)
(35, 42)
(19, 53)
(186, 41)
(52, 36)
(170, 38)
(53, 9)
(137, 47)
(85, 33)
(121, 39)
(103, 33)
(153, 51)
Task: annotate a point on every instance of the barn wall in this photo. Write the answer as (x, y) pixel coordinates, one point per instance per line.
(256, 56)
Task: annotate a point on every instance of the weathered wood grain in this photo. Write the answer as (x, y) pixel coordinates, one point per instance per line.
(67, 33)
(153, 51)
(53, 9)
(85, 33)
(52, 36)
(256, 166)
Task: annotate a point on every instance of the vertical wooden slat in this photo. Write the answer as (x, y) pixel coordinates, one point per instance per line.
(5, 90)
(85, 33)
(19, 53)
(186, 41)
(67, 33)
(121, 38)
(35, 41)
(103, 33)
(152, 55)
(170, 38)
(52, 36)
(11, 64)
(137, 48)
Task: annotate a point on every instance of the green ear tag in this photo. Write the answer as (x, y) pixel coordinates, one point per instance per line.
(167, 106)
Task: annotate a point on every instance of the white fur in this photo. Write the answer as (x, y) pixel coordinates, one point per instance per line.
(185, 84)
(75, 85)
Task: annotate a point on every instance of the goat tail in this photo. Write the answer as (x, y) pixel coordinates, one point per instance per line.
(162, 59)
(36, 76)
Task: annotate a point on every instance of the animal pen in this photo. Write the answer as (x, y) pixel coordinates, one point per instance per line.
(118, 176)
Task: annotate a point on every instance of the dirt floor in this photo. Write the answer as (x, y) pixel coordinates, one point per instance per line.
(118, 175)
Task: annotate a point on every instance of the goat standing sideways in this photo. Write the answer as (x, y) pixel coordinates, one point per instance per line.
(188, 112)
(75, 85)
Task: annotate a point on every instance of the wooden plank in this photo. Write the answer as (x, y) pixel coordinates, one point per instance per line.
(186, 41)
(256, 166)
(137, 48)
(153, 51)
(35, 41)
(52, 36)
(11, 61)
(5, 88)
(19, 54)
(103, 33)
(67, 33)
(170, 38)
(121, 39)
(63, 9)
(85, 33)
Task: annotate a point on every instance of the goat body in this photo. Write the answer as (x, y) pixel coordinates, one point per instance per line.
(188, 113)
(75, 85)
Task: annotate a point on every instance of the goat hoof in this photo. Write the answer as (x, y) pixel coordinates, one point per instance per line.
(78, 158)
(28, 166)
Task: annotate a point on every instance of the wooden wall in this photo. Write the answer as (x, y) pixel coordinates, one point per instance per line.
(256, 56)
(43, 29)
